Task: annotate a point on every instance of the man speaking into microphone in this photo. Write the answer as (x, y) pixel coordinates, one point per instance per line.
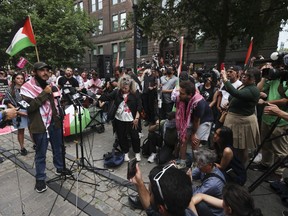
(44, 123)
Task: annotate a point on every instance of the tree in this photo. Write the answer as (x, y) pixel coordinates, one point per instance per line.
(60, 29)
(222, 21)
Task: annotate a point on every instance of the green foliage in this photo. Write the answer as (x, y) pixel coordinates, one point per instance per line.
(221, 21)
(60, 30)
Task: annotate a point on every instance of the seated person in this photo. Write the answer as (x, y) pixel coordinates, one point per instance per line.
(170, 191)
(212, 179)
(170, 138)
(236, 201)
(227, 161)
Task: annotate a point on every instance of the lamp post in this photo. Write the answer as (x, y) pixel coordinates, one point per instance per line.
(135, 7)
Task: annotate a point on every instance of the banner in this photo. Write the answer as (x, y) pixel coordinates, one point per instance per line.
(22, 62)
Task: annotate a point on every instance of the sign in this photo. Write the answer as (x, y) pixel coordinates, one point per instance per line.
(3, 85)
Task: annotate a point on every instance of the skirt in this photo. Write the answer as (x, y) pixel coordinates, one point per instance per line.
(245, 129)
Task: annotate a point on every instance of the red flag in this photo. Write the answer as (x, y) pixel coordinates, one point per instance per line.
(249, 52)
(22, 62)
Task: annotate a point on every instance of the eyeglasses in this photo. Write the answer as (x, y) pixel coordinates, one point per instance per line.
(158, 176)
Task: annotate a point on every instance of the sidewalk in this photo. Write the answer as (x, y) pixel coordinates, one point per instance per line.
(108, 197)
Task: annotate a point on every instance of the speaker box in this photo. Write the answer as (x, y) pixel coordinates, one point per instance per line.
(104, 66)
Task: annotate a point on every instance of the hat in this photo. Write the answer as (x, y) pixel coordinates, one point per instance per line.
(41, 65)
(235, 68)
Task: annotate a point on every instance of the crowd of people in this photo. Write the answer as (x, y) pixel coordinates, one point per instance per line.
(213, 115)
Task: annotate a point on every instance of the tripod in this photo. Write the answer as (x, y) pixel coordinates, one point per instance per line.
(280, 161)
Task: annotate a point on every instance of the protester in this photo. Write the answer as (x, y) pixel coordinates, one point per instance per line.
(44, 123)
(170, 191)
(95, 84)
(21, 121)
(241, 116)
(193, 120)
(128, 105)
(212, 179)
(236, 201)
(227, 161)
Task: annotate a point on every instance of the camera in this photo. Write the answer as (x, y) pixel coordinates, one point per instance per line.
(280, 67)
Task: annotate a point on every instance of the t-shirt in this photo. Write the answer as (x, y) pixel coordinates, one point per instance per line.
(168, 84)
(225, 94)
(203, 111)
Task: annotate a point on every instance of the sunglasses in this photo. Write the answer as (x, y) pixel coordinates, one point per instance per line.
(158, 176)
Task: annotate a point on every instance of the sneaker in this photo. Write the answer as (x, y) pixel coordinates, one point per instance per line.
(40, 186)
(258, 158)
(23, 152)
(151, 158)
(181, 166)
(258, 167)
(138, 157)
(63, 172)
(126, 157)
(272, 178)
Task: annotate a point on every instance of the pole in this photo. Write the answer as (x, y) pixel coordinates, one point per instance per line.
(135, 37)
(89, 59)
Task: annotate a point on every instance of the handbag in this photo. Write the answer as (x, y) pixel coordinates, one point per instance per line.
(114, 158)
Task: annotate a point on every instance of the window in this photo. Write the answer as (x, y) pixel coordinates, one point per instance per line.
(100, 4)
(122, 53)
(114, 51)
(115, 23)
(144, 46)
(114, 2)
(93, 5)
(78, 6)
(100, 27)
(81, 6)
(94, 55)
(100, 50)
(123, 21)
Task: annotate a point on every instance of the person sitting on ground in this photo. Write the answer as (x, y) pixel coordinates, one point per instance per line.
(212, 179)
(228, 163)
(236, 201)
(170, 191)
(169, 136)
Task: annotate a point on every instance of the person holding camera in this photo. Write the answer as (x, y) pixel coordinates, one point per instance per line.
(274, 149)
(44, 122)
(21, 120)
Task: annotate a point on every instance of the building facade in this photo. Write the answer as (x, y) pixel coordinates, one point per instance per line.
(113, 37)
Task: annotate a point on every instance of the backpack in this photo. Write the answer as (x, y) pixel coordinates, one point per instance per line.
(114, 158)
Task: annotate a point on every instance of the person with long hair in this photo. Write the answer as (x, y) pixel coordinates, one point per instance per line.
(236, 201)
(21, 120)
(127, 108)
(227, 161)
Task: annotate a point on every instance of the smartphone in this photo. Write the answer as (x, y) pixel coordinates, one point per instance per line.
(131, 169)
(222, 66)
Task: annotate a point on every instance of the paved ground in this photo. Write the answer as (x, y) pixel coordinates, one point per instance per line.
(107, 197)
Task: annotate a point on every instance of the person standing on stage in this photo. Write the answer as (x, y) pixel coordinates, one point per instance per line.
(44, 123)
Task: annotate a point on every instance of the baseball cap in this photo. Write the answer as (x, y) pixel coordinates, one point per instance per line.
(235, 68)
(41, 65)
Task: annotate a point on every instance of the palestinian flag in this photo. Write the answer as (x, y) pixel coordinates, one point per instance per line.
(23, 38)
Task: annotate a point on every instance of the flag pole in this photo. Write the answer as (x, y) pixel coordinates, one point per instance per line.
(36, 49)
(248, 53)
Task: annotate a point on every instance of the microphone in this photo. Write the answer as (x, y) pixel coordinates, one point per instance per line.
(67, 93)
(56, 95)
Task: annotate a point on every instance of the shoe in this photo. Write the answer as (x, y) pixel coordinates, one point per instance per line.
(40, 186)
(138, 157)
(135, 202)
(126, 157)
(152, 158)
(23, 152)
(272, 178)
(258, 167)
(63, 172)
(258, 158)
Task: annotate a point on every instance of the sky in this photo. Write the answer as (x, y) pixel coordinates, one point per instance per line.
(283, 37)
